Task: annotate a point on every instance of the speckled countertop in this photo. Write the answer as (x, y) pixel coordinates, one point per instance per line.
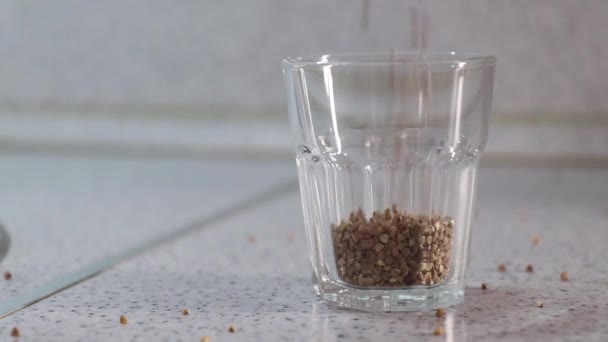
(263, 287)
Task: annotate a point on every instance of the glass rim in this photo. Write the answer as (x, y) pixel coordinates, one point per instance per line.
(463, 59)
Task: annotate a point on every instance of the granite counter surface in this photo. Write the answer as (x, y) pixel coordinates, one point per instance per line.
(252, 271)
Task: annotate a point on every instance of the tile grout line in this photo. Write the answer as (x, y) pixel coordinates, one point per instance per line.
(71, 279)
(223, 113)
(183, 152)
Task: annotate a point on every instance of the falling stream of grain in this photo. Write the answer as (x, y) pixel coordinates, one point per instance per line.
(396, 118)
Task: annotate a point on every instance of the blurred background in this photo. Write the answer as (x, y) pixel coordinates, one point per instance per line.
(119, 118)
(193, 78)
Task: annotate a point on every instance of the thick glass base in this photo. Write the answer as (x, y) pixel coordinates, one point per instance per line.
(392, 299)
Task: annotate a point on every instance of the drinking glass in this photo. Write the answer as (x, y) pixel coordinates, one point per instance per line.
(387, 149)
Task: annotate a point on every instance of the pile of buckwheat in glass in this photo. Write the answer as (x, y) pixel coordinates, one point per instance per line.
(392, 248)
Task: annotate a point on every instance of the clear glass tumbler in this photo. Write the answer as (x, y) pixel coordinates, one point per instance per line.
(388, 148)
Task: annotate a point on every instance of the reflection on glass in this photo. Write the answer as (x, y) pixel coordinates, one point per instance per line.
(329, 324)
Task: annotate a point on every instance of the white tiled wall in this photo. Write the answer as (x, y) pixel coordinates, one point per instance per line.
(207, 54)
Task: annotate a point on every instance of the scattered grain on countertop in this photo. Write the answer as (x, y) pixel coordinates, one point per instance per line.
(529, 268)
(15, 332)
(123, 319)
(186, 312)
(484, 286)
(291, 237)
(540, 304)
(439, 331)
(536, 240)
(440, 313)
(205, 339)
(502, 268)
(564, 276)
(232, 328)
(8, 275)
(251, 238)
